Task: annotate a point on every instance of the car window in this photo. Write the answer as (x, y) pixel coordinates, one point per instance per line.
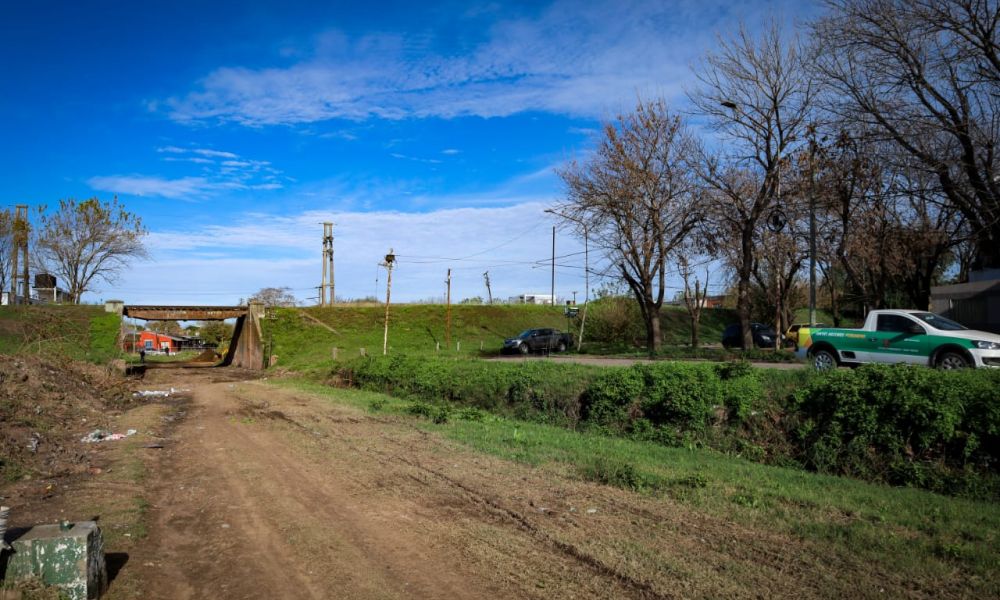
(895, 324)
(939, 322)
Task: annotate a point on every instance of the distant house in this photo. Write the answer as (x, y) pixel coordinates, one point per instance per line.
(533, 299)
(151, 341)
(975, 304)
(708, 302)
(47, 292)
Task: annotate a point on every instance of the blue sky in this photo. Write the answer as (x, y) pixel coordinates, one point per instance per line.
(235, 128)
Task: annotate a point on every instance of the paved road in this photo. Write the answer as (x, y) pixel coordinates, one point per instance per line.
(624, 362)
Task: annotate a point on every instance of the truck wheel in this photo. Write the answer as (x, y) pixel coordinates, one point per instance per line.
(824, 360)
(561, 347)
(524, 348)
(952, 360)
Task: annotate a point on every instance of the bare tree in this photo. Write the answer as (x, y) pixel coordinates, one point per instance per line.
(90, 240)
(925, 74)
(165, 327)
(694, 297)
(638, 196)
(275, 296)
(757, 93)
(889, 229)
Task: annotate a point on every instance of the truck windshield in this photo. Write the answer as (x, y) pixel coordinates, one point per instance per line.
(939, 322)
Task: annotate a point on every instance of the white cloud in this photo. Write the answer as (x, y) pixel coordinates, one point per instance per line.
(214, 153)
(451, 151)
(580, 59)
(233, 173)
(257, 250)
(141, 185)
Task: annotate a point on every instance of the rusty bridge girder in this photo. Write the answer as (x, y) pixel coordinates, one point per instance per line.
(184, 313)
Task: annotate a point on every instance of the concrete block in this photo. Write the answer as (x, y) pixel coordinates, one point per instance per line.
(71, 558)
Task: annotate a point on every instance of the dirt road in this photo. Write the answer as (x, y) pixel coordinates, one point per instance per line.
(261, 492)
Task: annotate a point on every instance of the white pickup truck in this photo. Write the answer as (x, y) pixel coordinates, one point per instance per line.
(901, 336)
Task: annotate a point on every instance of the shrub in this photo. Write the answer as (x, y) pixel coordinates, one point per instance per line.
(900, 425)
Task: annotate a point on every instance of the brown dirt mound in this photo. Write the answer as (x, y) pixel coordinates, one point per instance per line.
(44, 407)
(208, 356)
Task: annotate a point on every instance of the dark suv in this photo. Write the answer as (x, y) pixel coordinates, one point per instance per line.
(763, 336)
(538, 340)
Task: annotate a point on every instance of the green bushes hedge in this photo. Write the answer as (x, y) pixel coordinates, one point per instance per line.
(540, 391)
(902, 425)
(639, 398)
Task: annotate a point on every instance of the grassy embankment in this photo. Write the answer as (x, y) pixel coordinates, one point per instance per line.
(414, 329)
(85, 333)
(303, 339)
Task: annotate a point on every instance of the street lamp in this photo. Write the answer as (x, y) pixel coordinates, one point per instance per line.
(812, 210)
(586, 271)
(812, 227)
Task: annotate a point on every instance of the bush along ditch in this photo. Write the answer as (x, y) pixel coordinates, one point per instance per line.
(898, 425)
(938, 430)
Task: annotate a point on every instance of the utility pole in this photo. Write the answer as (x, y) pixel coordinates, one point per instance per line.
(327, 287)
(389, 260)
(586, 269)
(553, 290)
(447, 313)
(489, 292)
(19, 249)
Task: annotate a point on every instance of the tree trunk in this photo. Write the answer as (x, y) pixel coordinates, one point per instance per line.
(743, 286)
(654, 340)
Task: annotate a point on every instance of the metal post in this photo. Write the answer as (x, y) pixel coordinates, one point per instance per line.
(552, 298)
(586, 279)
(812, 234)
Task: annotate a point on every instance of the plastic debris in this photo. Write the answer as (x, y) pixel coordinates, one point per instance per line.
(157, 393)
(103, 435)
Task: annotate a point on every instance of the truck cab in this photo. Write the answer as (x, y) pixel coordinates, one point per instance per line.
(901, 336)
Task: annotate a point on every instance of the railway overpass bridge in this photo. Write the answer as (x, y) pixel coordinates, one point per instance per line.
(246, 349)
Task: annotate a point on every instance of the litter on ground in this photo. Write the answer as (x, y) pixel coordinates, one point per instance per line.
(156, 393)
(103, 435)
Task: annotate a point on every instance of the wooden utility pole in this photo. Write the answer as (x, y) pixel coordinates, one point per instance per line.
(447, 313)
(327, 287)
(389, 260)
(19, 249)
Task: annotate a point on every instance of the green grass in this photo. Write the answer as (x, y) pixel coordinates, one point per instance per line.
(83, 332)
(415, 329)
(904, 529)
(419, 330)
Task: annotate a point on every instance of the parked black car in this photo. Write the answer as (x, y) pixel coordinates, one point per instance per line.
(763, 336)
(538, 340)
